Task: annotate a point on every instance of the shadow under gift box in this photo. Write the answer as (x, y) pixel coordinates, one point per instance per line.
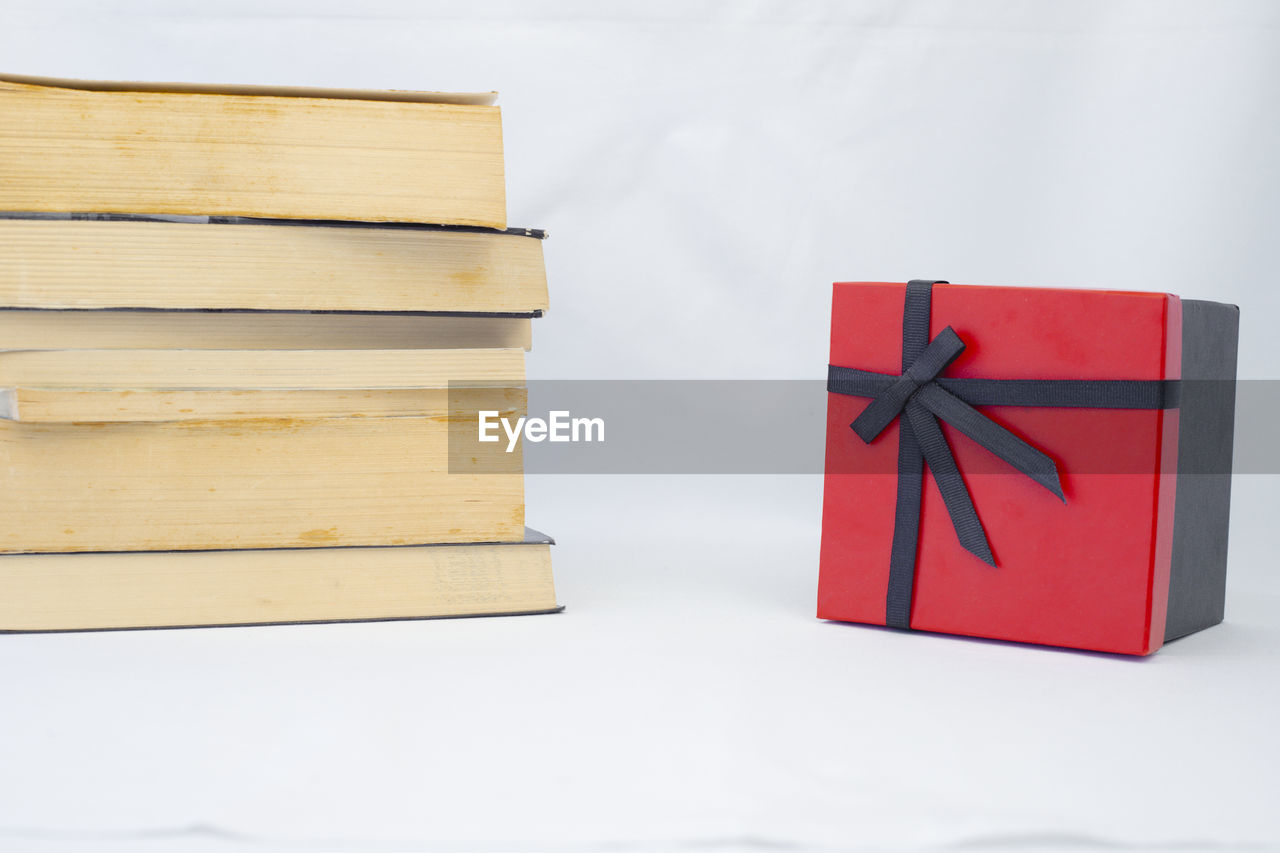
(1135, 556)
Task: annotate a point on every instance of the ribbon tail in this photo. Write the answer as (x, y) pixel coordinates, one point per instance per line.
(955, 495)
(1037, 465)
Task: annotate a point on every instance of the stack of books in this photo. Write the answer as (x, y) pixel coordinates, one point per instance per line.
(245, 339)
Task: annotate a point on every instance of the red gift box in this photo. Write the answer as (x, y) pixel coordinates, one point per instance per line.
(1089, 568)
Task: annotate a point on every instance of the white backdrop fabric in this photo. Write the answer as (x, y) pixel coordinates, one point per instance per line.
(706, 170)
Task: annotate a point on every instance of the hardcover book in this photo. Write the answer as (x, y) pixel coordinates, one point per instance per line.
(237, 264)
(159, 589)
(110, 450)
(289, 153)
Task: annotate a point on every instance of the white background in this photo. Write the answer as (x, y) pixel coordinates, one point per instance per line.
(706, 170)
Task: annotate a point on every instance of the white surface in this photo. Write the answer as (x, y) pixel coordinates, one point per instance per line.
(686, 698)
(706, 170)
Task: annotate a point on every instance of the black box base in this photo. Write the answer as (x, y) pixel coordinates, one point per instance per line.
(1206, 424)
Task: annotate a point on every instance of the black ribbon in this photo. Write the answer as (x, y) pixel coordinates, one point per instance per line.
(920, 395)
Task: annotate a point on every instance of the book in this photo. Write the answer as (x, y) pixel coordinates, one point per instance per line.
(76, 145)
(281, 471)
(237, 264)
(112, 405)
(67, 592)
(143, 369)
(39, 328)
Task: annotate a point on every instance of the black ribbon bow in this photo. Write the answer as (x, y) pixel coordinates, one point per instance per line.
(921, 396)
